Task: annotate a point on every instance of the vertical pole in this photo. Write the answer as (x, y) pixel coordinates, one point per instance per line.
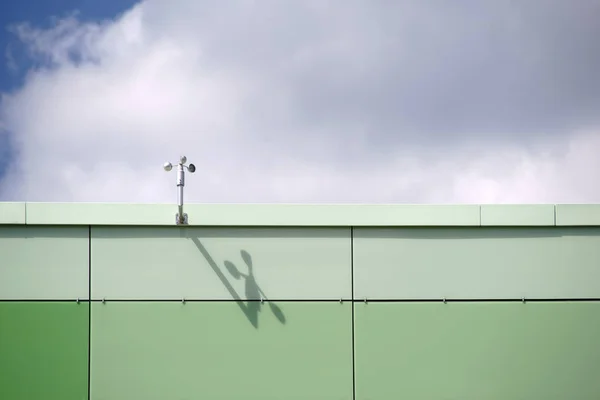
(180, 218)
(180, 184)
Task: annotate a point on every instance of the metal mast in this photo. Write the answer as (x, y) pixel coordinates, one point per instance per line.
(180, 218)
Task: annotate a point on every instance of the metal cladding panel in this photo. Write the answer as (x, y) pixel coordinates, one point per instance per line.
(221, 263)
(253, 214)
(477, 263)
(44, 262)
(517, 215)
(100, 214)
(12, 213)
(477, 351)
(221, 350)
(308, 215)
(578, 214)
(43, 350)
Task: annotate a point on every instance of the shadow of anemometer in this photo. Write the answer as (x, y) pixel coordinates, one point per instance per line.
(253, 293)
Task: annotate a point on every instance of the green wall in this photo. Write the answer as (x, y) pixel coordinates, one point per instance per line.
(44, 350)
(481, 263)
(299, 312)
(208, 263)
(477, 350)
(212, 350)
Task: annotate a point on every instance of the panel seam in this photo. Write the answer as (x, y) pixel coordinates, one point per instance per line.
(192, 300)
(370, 300)
(89, 366)
(352, 312)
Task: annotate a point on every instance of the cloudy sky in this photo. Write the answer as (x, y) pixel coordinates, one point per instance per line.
(302, 101)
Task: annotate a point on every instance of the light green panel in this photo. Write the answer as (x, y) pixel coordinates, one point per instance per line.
(221, 350)
(44, 350)
(12, 213)
(478, 263)
(477, 351)
(300, 214)
(101, 214)
(412, 215)
(221, 263)
(43, 262)
(578, 214)
(253, 214)
(517, 215)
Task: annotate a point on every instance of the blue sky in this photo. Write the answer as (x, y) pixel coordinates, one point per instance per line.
(304, 101)
(40, 13)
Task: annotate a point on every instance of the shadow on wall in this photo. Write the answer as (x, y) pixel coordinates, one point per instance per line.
(254, 294)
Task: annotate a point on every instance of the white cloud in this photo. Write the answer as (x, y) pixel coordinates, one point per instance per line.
(261, 100)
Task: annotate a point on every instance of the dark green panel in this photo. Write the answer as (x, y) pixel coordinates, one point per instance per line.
(43, 350)
(478, 351)
(221, 350)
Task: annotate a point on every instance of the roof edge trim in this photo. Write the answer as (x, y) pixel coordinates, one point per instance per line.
(377, 215)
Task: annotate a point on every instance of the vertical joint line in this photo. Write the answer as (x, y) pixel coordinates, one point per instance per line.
(89, 363)
(352, 304)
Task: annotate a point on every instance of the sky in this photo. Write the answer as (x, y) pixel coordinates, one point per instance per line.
(15, 61)
(302, 101)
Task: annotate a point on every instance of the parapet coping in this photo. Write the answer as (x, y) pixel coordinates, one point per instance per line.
(315, 215)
